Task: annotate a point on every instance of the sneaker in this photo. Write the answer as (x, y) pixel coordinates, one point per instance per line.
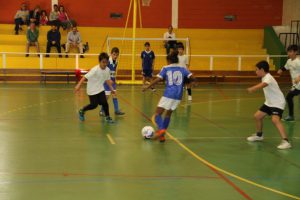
(289, 119)
(190, 98)
(81, 56)
(67, 56)
(153, 89)
(109, 120)
(81, 115)
(16, 33)
(101, 114)
(284, 145)
(254, 138)
(119, 113)
(160, 134)
(27, 55)
(162, 139)
(47, 56)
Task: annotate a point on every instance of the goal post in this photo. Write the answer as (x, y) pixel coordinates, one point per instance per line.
(129, 62)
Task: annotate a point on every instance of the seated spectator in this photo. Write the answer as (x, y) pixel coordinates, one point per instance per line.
(21, 17)
(74, 40)
(170, 40)
(53, 18)
(44, 18)
(34, 16)
(63, 17)
(32, 38)
(53, 38)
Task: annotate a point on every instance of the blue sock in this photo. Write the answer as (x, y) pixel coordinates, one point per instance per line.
(159, 121)
(166, 122)
(116, 104)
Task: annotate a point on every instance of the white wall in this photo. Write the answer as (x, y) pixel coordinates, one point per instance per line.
(291, 11)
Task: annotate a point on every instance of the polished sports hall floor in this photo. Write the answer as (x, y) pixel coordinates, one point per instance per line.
(46, 153)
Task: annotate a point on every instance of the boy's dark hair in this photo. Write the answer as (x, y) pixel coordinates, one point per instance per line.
(263, 65)
(103, 56)
(180, 45)
(293, 47)
(55, 5)
(147, 44)
(173, 57)
(115, 50)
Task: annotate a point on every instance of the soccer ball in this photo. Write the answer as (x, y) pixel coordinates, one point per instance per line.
(148, 132)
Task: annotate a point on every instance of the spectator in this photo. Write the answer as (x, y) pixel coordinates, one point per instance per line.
(34, 16)
(63, 17)
(74, 40)
(53, 38)
(21, 18)
(170, 40)
(32, 38)
(44, 18)
(53, 18)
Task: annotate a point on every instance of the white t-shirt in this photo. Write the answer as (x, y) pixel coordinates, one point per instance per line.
(183, 60)
(294, 67)
(274, 96)
(167, 35)
(96, 78)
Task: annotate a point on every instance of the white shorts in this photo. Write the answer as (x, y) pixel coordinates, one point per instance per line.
(168, 104)
(108, 93)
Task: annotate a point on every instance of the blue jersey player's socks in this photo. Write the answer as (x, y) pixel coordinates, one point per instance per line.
(166, 122)
(159, 121)
(116, 104)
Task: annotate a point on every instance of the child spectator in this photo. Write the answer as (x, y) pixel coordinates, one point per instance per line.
(44, 18)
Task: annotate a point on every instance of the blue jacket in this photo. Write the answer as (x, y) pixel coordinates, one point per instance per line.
(53, 36)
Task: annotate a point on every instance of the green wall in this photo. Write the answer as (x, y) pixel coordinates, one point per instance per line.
(274, 46)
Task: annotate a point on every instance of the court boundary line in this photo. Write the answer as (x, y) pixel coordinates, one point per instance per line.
(111, 140)
(235, 187)
(207, 163)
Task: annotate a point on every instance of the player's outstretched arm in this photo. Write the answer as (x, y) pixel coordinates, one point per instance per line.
(110, 85)
(257, 87)
(77, 87)
(152, 84)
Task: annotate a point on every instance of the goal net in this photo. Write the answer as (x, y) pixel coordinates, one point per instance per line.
(129, 66)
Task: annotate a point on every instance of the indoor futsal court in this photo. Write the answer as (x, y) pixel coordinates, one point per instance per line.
(148, 99)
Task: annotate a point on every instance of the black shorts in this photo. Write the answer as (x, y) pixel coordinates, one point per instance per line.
(187, 81)
(147, 73)
(271, 110)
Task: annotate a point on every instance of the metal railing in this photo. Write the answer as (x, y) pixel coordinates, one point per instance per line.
(76, 58)
(289, 39)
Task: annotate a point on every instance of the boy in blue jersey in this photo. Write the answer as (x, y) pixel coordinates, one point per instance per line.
(174, 76)
(112, 65)
(148, 58)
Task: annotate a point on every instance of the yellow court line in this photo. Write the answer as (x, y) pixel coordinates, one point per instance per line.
(224, 171)
(229, 173)
(111, 140)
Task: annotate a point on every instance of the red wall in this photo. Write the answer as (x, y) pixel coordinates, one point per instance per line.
(210, 13)
(97, 12)
(192, 13)
(9, 8)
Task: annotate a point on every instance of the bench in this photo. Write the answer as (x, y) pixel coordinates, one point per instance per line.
(68, 74)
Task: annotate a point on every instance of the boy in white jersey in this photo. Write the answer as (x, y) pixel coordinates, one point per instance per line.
(274, 105)
(96, 77)
(293, 65)
(184, 62)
